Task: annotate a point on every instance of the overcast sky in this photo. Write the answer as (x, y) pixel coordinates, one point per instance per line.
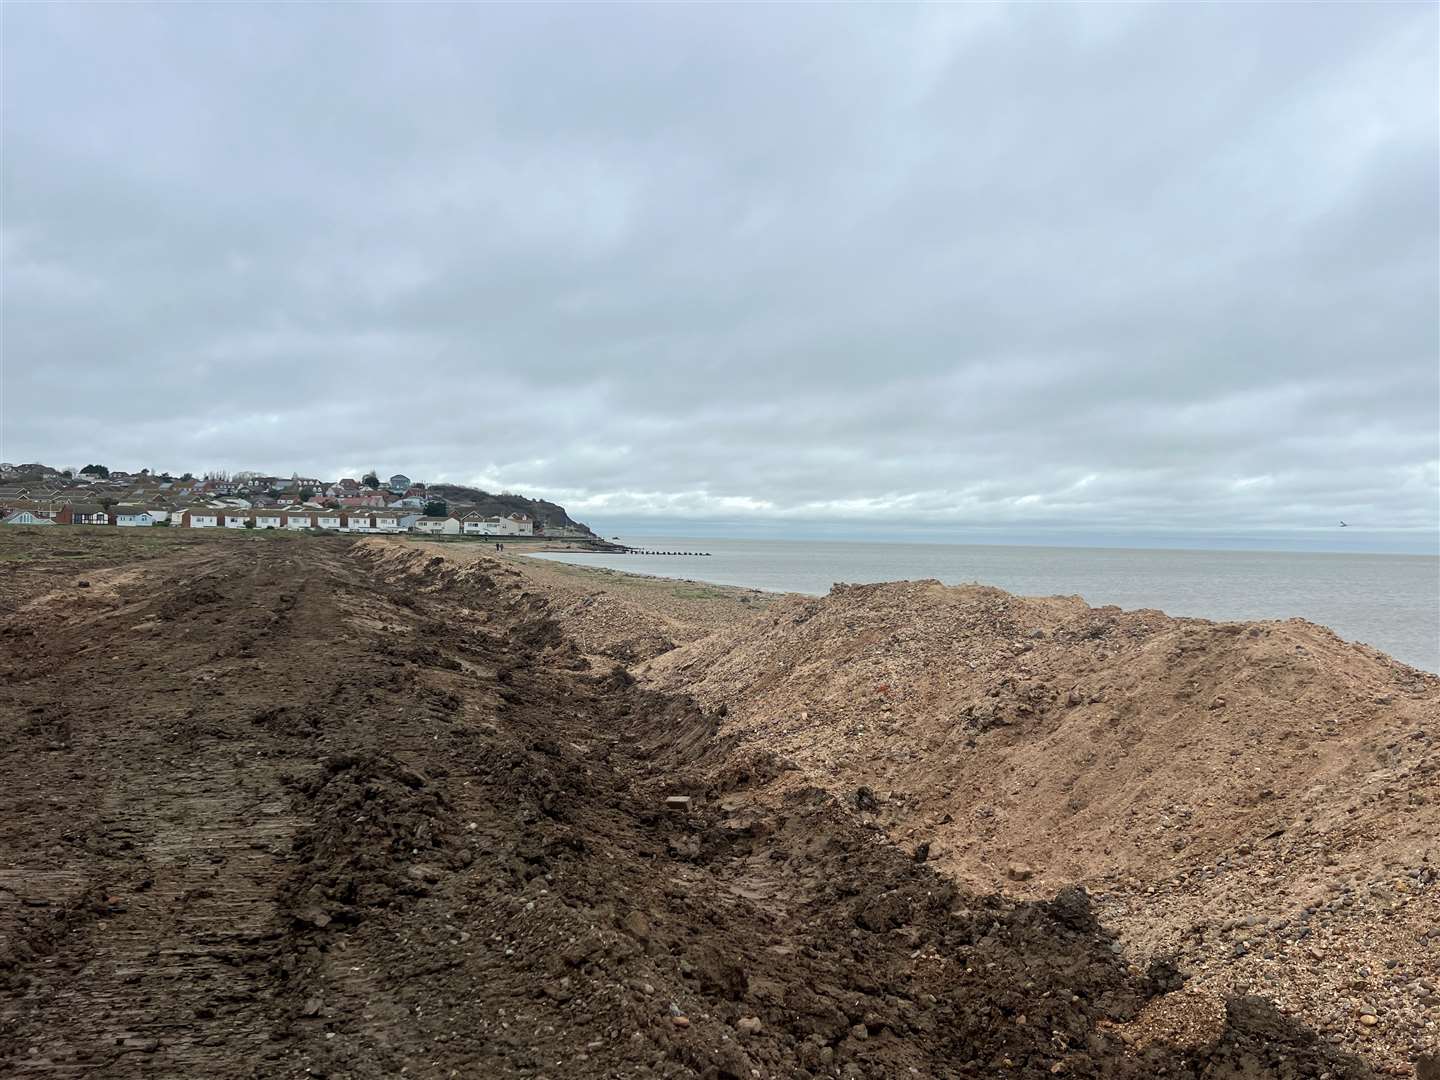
(1113, 267)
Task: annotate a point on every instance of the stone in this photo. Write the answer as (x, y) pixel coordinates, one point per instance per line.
(1019, 872)
(1369, 1020)
(636, 925)
(681, 1022)
(749, 1025)
(680, 804)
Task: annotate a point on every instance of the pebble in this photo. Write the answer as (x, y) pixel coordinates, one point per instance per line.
(749, 1025)
(680, 1021)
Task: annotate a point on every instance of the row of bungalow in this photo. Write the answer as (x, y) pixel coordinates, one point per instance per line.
(345, 520)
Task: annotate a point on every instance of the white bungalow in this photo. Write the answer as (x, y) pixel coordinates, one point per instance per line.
(269, 520)
(391, 521)
(357, 522)
(445, 526)
(328, 521)
(234, 519)
(129, 517)
(201, 519)
(299, 521)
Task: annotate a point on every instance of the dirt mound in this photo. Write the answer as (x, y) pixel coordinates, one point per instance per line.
(378, 819)
(1221, 785)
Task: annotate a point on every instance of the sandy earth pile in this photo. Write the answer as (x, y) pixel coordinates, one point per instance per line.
(1261, 800)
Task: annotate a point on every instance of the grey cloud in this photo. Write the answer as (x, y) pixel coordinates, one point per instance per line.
(1108, 266)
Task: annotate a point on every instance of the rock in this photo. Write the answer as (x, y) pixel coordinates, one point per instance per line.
(922, 851)
(424, 872)
(749, 1025)
(681, 1022)
(865, 800)
(636, 925)
(679, 804)
(312, 1006)
(1019, 872)
(82, 584)
(1369, 1019)
(859, 1031)
(1218, 703)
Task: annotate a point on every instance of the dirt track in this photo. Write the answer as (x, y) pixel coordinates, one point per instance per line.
(272, 808)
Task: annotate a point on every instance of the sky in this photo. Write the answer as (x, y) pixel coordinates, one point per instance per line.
(1109, 268)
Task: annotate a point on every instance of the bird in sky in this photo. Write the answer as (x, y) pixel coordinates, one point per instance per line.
(1343, 525)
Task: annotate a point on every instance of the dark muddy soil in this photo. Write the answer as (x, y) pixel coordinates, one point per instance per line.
(273, 810)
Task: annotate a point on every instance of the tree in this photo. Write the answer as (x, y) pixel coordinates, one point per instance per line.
(95, 470)
(305, 494)
(67, 474)
(370, 480)
(106, 502)
(436, 508)
(187, 476)
(249, 523)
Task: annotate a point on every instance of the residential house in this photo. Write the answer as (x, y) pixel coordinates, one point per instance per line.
(386, 521)
(445, 526)
(83, 514)
(399, 483)
(393, 520)
(329, 520)
(369, 498)
(130, 517)
(268, 519)
(409, 502)
(234, 519)
(517, 525)
(200, 518)
(357, 522)
(25, 517)
(299, 519)
(477, 524)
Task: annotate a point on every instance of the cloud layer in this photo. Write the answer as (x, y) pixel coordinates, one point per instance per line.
(1115, 266)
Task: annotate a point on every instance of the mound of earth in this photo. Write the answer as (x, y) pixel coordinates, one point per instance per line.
(1260, 799)
(303, 810)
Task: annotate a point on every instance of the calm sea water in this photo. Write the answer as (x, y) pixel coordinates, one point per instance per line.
(1389, 601)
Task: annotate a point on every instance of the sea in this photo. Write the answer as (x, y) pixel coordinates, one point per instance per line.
(1390, 601)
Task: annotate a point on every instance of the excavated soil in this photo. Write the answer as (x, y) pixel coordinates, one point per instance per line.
(1260, 801)
(300, 807)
